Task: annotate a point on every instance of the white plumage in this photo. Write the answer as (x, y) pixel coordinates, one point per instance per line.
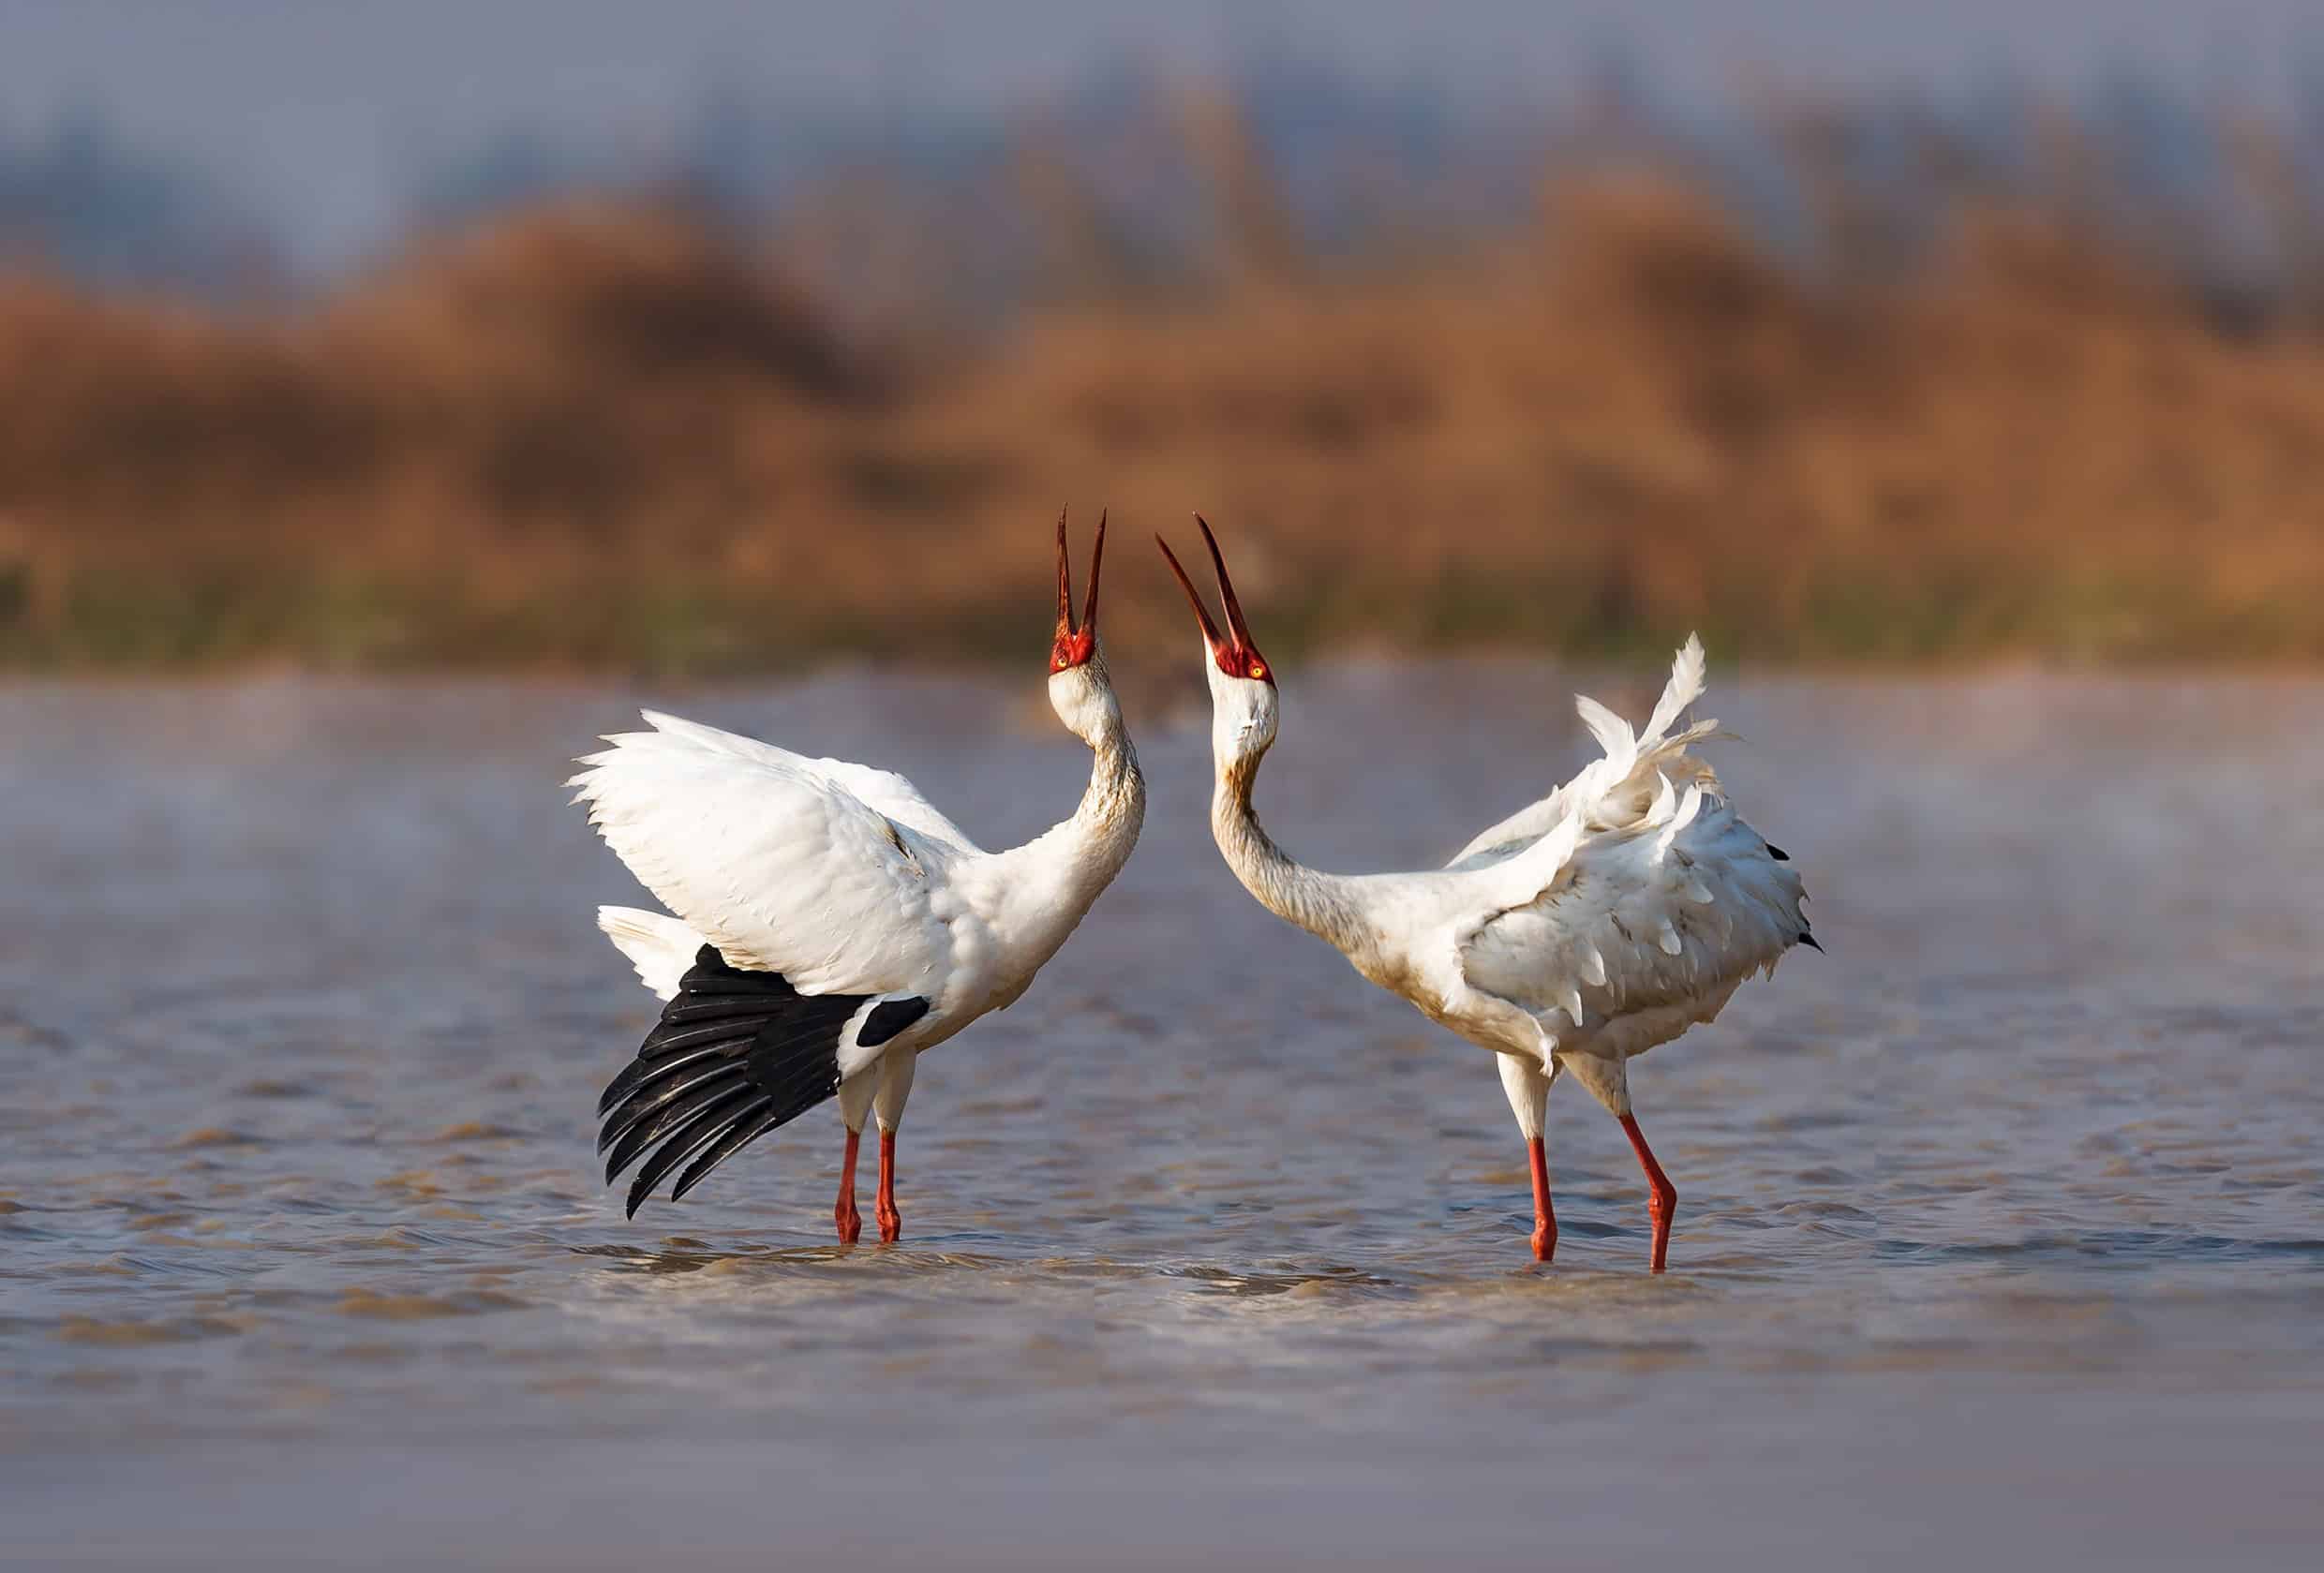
(1585, 928)
(830, 924)
(776, 859)
(1653, 900)
(660, 946)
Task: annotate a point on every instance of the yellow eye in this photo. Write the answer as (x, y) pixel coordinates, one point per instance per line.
(1259, 669)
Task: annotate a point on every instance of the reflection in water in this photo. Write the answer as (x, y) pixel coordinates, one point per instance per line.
(302, 1019)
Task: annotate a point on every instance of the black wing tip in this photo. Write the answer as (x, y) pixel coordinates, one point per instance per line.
(1812, 943)
(735, 1054)
(747, 1128)
(1777, 852)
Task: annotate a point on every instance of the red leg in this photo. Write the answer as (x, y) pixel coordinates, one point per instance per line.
(850, 1222)
(1544, 1215)
(1662, 1196)
(891, 1222)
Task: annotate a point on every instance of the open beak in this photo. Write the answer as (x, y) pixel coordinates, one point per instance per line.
(1074, 645)
(1236, 654)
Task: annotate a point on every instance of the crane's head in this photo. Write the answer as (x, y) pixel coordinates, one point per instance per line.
(1080, 689)
(1242, 685)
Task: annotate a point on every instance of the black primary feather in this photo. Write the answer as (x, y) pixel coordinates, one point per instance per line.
(888, 1019)
(735, 1055)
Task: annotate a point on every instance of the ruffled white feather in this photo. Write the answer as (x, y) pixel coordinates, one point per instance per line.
(1649, 898)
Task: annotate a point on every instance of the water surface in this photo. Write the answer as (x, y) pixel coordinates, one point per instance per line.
(2001, 1228)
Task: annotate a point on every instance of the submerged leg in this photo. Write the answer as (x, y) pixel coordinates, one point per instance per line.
(850, 1222)
(884, 1208)
(894, 1088)
(1608, 1080)
(1528, 1086)
(1544, 1215)
(855, 1108)
(1661, 1195)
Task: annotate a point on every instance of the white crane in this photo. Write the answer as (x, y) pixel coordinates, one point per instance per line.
(831, 926)
(1606, 918)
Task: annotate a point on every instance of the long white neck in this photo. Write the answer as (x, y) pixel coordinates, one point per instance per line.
(1052, 880)
(1318, 902)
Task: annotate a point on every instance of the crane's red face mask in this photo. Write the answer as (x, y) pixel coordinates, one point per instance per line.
(1073, 647)
(1236, 656)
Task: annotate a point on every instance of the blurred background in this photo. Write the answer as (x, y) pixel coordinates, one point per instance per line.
(714, 335)
(672, 350)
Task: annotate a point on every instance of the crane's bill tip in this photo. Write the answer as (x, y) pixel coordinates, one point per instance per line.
(1235, 625)
(1089, 598)
(1064, 580)
(1194, 598)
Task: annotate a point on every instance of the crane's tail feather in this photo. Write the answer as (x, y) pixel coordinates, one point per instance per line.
(735, 1055)
(1635, 785)
(1613, 733)
(662, 948)
(1685, 686)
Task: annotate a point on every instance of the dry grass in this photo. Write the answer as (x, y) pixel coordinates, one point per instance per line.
(604, 436)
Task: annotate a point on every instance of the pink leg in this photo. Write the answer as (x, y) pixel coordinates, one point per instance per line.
(1661, 1197)
(1544, 1216)
(850, 1222)
(891, 1222)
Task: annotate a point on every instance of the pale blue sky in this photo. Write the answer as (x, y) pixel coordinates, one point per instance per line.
(317, 107)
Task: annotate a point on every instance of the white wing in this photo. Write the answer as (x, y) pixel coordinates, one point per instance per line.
(1519, 830)
(1663, 912)
(1613, 789)
(882, 789)
(774, 861)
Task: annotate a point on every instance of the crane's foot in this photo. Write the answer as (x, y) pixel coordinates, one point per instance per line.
(1661, 1195)
(848, 1222)
(1544, 1215)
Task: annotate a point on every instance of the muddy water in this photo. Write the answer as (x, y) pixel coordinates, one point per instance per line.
(2001, 1227)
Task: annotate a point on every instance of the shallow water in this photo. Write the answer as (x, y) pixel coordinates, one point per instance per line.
(2001, 1227)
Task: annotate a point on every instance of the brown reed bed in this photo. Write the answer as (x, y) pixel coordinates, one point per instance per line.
(606, 434)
